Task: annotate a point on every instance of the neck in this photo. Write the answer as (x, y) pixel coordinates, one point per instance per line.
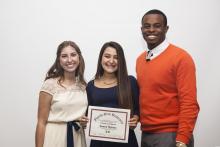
(69, 78)
(152, 46)
(109, 76)
(109, 79)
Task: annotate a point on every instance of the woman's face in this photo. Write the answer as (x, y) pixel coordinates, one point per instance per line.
(110, 60)
(69, 59)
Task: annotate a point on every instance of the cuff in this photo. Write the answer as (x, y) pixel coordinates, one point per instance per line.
(180, 144)
(182, 138)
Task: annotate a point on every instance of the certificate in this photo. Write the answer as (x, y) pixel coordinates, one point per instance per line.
(108, 124)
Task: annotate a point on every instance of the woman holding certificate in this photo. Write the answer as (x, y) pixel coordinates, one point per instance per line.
(112, 87)
(63, 100)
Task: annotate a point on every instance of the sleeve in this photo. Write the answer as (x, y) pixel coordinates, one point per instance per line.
(189, 108)
(88, 91)
(135, 95)
(48, 86)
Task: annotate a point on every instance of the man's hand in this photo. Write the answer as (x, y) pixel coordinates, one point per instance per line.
(180, 144)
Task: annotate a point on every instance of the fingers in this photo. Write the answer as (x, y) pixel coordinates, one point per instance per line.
(83, 121)
(133, 122)
(133, 119)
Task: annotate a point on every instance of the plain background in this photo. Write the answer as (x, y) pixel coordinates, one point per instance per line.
(31, 30)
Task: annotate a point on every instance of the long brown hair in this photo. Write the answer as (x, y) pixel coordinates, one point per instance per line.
(57, 71)
(124, 87)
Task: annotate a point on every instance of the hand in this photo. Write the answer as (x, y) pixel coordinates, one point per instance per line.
(133, 122)
(180, 144)
(83, 121)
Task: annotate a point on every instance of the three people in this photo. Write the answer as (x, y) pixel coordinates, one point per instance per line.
(167, 82)
(166, 78)
(63, 100)
(112, 87)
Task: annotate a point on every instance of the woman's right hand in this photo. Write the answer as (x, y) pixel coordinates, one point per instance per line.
(83, 121)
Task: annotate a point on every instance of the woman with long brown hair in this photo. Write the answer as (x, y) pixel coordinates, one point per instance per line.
(112, 87)
(63, 100)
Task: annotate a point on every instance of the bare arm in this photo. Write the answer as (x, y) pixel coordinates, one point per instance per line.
(43, 112)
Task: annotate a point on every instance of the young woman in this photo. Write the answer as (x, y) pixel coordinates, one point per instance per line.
(112, 87)
(63, 100)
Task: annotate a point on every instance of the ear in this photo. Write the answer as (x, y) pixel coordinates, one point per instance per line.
(142, 28)
(167, 28)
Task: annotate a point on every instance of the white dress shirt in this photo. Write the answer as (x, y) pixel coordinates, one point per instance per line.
(157, 50)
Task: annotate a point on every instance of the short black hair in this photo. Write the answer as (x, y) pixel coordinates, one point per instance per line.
(155, 11)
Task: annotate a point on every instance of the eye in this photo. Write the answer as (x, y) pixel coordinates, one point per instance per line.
(73, 54)
(63, 55)
(157, 25)
(146, 26)
(107, 56)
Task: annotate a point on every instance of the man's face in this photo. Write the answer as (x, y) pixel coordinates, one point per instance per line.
(153, 30)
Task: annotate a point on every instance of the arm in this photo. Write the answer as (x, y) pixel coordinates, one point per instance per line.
(135, 97)
(89, 93)
(43, 113)
(84, 119)
(188, 105)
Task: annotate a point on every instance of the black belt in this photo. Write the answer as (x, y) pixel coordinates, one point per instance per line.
(70, 125)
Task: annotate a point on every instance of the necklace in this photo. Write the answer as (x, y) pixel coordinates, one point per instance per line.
(109, 83)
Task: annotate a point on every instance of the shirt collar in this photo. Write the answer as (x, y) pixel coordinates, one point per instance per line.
(160, 48)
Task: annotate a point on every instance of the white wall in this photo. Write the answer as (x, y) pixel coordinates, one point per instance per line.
(30, 31)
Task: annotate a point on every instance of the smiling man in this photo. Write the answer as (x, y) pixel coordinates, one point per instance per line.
(167, 81)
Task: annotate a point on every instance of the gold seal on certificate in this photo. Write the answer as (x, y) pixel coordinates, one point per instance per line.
(108, 124)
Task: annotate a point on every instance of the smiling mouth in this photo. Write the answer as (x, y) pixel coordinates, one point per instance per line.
(69, 66)
(112, 67)
(151, 37)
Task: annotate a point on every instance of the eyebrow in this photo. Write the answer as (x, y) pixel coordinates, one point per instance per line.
(70, 53)
(109, 54)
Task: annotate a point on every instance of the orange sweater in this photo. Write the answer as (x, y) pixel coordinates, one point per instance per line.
(168, 93)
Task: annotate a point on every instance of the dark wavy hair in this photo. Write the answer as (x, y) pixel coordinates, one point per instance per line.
(124, 87)
(57, 71)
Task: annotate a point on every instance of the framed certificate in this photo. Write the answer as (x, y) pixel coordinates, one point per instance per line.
(108, 124)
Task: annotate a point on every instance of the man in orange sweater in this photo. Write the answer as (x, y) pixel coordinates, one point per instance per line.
(167, 81)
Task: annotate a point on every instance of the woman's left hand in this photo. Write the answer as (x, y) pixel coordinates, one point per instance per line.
(133, 121)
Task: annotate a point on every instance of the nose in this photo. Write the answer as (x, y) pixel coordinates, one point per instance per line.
(111, 60)
(69, 59)
(151, 29)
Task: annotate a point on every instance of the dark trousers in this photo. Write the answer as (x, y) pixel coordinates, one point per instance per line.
(161, 140)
